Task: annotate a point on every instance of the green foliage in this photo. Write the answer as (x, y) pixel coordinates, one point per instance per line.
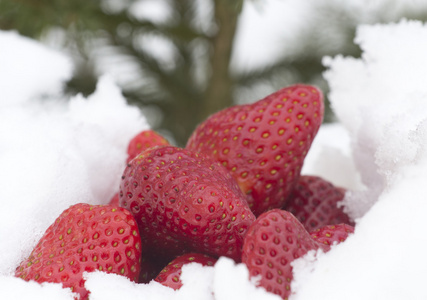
(197, 80)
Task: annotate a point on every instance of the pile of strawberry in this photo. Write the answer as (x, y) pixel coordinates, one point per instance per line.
(235, 190)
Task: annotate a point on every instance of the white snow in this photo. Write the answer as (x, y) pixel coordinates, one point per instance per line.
(12, 288)
(224, 281)
(270, 30)
(40, 78)
(231, 282)
(265, 32)
(55, 152)
(331, 157)
(381, 100)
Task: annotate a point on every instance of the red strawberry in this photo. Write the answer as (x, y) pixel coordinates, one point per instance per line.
(185, 202)
(264, 144)
(150, 268)
(85, 238)
(171, 274)
(115, 200)
(314, 203)
(330, 234)
(273, 241)
(143, 140)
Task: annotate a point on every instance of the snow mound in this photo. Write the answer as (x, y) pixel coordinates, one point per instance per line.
(54, 152)
(381, 99)
(224, 281)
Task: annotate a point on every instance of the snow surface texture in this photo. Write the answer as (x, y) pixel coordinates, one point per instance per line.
(381, 99)
(225, 281)
(54, 153)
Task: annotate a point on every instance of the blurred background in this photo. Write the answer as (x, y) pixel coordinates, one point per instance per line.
(182, 60)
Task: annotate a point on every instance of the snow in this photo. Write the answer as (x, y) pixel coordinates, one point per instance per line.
(382, 102)
(226, 281)
(257, 26)
(24, 68)
(55, 152)
(330, 157)
(270, 30)
(16, 288)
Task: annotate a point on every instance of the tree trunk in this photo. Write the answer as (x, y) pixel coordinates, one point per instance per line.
(219, 92)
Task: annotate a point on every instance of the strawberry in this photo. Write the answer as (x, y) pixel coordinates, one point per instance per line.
(314, 202)
(85, 238)
(115, 200)
(330, 234)
(171, 274)
(150, 268)
(273, 241)
(143, 140)
(184, 202)
(263, 144)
